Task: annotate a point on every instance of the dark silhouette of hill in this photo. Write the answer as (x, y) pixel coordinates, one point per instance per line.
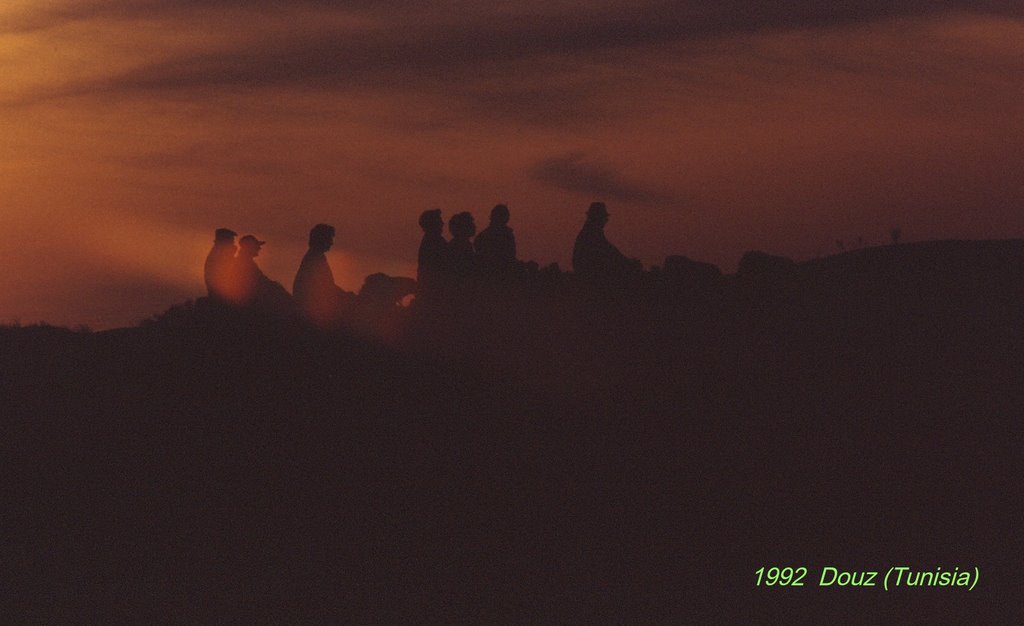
(548, 452)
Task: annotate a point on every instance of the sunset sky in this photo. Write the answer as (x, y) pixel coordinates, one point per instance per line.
(130, 130)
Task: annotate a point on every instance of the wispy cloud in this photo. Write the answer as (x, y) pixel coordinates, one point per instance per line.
(773, 123)
(401, 42)
(618, 21)
(574, 173)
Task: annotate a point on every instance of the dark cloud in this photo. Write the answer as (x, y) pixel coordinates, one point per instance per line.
(780, 120)
(406, 44)
(572, 172)
(624, 21)
(80, 10)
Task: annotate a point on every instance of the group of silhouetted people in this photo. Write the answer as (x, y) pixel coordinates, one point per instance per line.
(233, 278)
(444, 266)
(232, 275)
(448, 264)
(493, 252)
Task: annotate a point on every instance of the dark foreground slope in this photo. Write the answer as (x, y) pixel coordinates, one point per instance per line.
(565, 455)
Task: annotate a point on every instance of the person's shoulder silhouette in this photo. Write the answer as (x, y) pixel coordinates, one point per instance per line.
(593, 255)
(592, 249)
(496, 245)
(315, 293)
(251, 286)
(219, 264)
(247, 274)
(314, 271)
(432, 258)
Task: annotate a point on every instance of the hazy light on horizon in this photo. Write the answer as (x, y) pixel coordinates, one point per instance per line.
(131, 132)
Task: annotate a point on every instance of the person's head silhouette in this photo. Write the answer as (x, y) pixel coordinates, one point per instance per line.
(431, 222)
(249, 246)
(321, 237)
(499, 215)
(224, 236)
(597, 214)
(219, 262)
(462, 225)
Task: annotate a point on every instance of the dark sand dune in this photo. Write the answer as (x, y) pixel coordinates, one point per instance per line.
(632, 455)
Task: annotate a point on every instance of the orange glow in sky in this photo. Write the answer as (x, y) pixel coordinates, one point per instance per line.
(129, 133)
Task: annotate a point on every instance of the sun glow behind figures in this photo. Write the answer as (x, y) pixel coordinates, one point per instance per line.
(714, 378)
(741, 135)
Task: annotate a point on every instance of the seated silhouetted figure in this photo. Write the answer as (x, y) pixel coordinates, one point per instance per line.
(432, 260)
(318, 299)
(593, 256)
(218, 267)
(496, 244)
(250, 286)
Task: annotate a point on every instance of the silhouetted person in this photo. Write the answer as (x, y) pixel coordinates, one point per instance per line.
(496, 244)
(460, 249)
(432, 260)
(594, 256)
(250, 286)
(319, 300)
(219, 262)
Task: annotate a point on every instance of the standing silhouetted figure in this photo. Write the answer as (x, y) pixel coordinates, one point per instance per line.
(594, 256)
(218, 267)
(432, 260)
(496, 244)
(250, 286)
(318, 299)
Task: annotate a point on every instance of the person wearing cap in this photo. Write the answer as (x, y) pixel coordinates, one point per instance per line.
(319, 300)
(250, 286)
(593, 256)
(218, 266)
(496, 244)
